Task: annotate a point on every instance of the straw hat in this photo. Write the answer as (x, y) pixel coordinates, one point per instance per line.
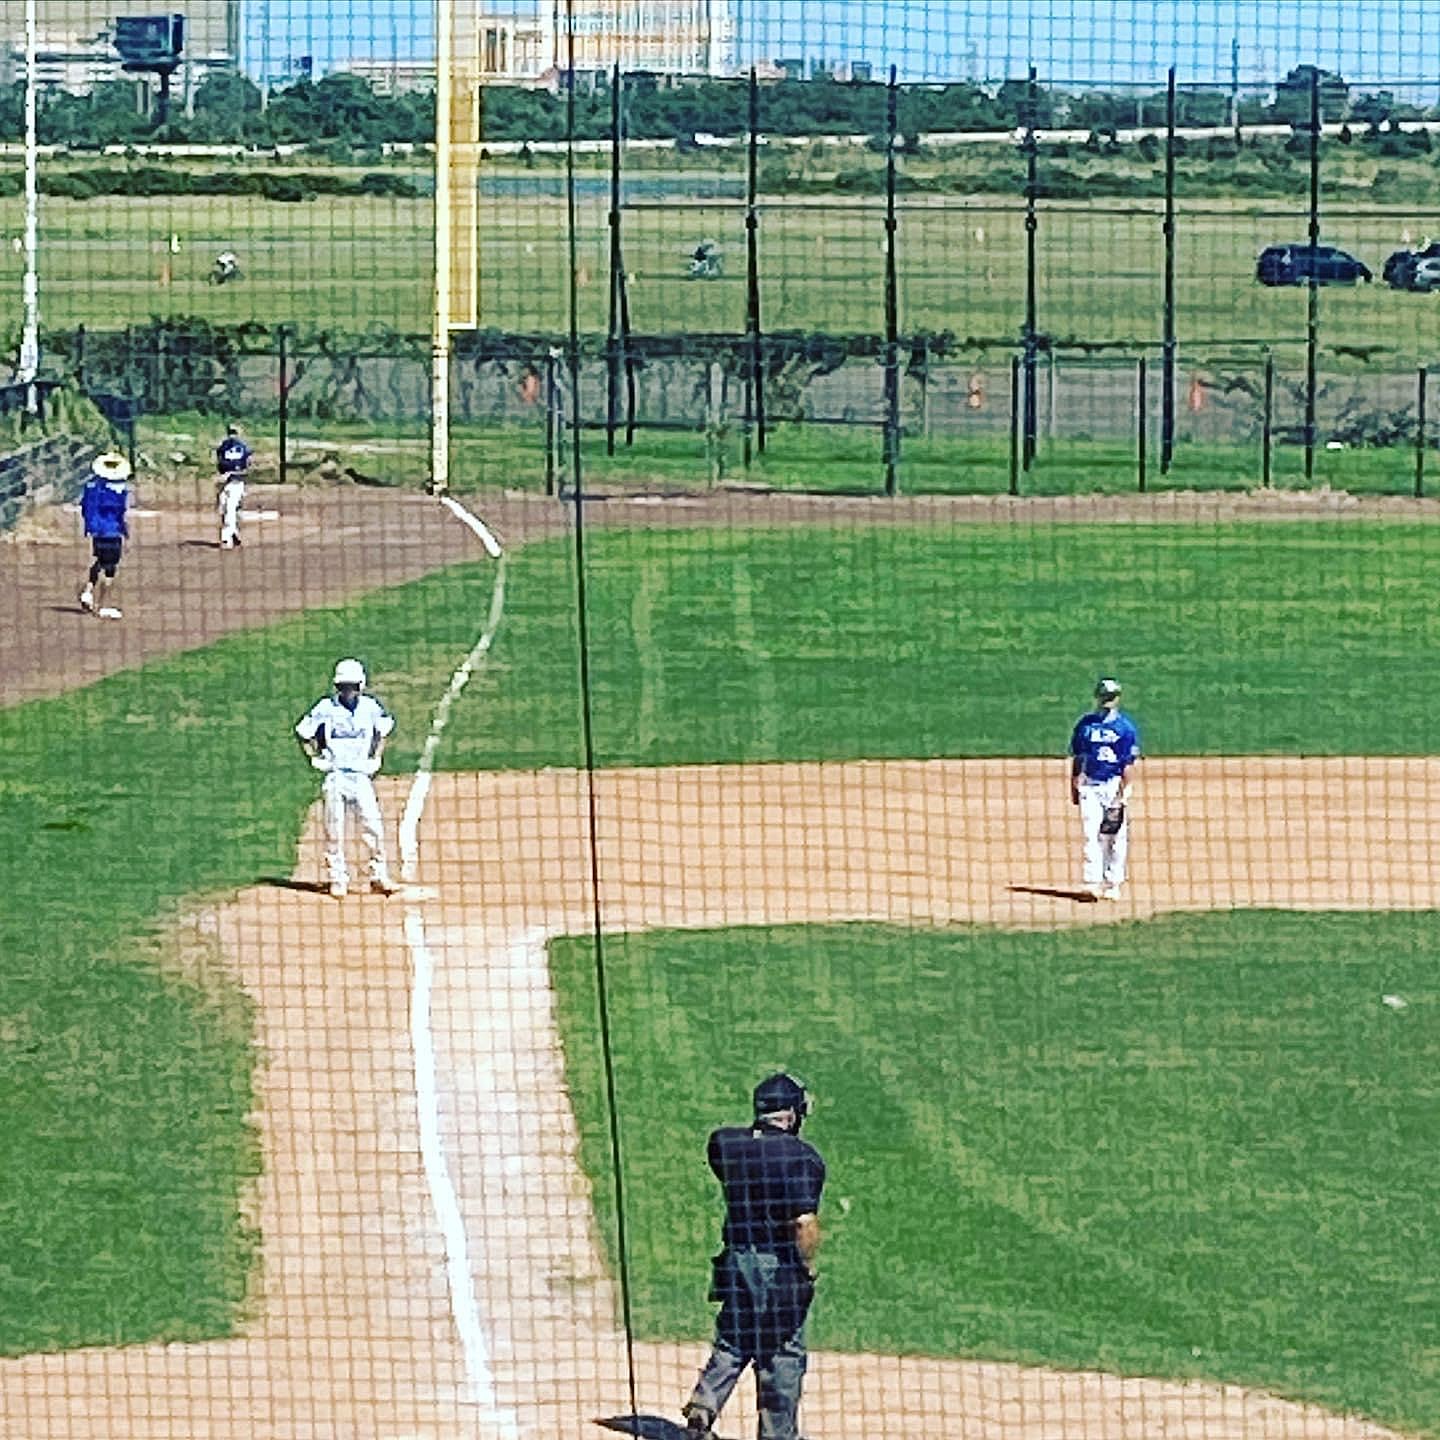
(111, 466)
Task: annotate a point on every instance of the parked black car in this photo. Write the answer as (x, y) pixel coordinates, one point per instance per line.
(1297, 264)
(1402, 265)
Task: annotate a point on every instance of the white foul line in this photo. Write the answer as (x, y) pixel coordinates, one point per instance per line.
(479, 1376)
(491, 544)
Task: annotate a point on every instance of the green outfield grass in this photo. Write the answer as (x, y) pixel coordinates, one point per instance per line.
(820, 460)
(356, 262)
(128, 1078)
(844, 643)
(1197, 1147)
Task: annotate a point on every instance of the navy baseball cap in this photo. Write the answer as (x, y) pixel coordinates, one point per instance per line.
(780, 1092)
(1106, 688)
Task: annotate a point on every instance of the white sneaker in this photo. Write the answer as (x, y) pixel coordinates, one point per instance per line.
(108, 612)
(87, 599)
(339, 889)
(1110, 892)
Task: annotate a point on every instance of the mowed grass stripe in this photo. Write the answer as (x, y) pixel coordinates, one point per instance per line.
(1193, 1148)
(880, 642)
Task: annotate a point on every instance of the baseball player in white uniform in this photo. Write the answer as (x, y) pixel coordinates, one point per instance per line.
(344, 735)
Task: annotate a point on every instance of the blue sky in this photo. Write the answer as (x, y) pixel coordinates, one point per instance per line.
(1119, 41)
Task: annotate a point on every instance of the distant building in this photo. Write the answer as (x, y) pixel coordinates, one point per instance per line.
(665, 37)
(791, 69)
(391, 77)
(74, 50)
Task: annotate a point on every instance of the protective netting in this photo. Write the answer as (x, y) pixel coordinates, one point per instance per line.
(853, 585)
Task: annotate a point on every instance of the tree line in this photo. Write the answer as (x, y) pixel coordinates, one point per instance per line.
(344, 111)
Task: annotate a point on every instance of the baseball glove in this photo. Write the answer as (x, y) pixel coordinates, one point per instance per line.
(1113, 820)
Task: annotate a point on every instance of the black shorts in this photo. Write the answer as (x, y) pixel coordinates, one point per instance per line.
(107, 550)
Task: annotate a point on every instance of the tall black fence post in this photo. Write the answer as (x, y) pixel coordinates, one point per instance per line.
(1312, 308)
(1422, 378)
(552, 421)
(892, 294)
(617, 271)
(80, 356)
(1014, 424)
(1029, 405)
(755, 390)
(1142, 425)
(1267, 425)
(1167, 361)
(283, 386)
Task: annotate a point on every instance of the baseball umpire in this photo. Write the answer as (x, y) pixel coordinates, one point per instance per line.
(764, 1277)
(344, 735)
(1104, 746)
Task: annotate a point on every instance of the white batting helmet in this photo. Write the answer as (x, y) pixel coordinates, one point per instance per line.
(350, 672)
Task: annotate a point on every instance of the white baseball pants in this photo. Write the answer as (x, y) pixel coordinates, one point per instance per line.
(231, 494)
(342, 790)
(1105, 855)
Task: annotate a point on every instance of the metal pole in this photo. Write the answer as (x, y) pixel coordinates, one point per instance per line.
(1029, 406)
(756, 395)
(1167, 377)
(440, 325)
(552, 406)
(284, 403)
(612, 349)
(1142, 404)
(1312, 308)
(80, 356)
(892, 297)
(30, 335)
(1422, 377)
(1014, 424)
(1267, 425)
(572, 227)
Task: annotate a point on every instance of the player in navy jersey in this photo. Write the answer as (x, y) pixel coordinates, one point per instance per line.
(232, 465)
(1104, 748)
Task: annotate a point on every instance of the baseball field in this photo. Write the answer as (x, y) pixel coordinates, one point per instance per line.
(282, 1166)
(366, 262)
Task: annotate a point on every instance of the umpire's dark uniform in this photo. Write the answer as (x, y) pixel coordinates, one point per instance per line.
(771, 1178)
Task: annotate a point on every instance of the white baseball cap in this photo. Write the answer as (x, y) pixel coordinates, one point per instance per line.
(350, 672)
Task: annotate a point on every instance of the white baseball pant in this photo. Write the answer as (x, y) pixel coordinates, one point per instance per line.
(343, 789)
(231, 494)
(1105, 855)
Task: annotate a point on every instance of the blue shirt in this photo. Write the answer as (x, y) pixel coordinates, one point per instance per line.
(232, 456)
(102, 505)
(1106, 744)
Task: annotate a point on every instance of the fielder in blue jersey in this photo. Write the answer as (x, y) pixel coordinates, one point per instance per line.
(104, 504)
(232, 467)
(1104, 748)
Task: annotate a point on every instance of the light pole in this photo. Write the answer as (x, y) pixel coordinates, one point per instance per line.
(30, 336)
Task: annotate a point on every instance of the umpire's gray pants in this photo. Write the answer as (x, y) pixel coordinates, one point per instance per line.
(779, 1369)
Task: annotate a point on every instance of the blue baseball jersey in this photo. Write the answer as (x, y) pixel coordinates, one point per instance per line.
(102, 506)
(1105, 744)
(232, 456)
